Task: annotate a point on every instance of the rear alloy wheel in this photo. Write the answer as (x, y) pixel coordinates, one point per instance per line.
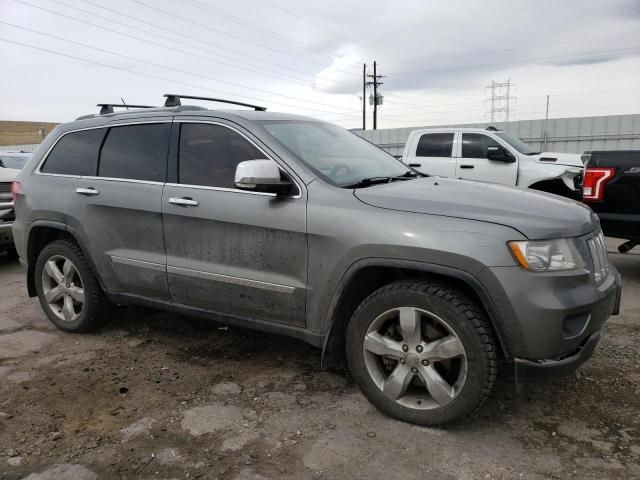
(422, 353)
(62, 288)
(67, 288)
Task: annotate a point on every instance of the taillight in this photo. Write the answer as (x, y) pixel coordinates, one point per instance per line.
(594, 181)
(16, 188)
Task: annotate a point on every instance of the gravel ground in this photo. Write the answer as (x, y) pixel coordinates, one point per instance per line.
(156, 395)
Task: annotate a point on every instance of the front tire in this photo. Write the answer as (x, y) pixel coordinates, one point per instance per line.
(422, 352)
(67, 288)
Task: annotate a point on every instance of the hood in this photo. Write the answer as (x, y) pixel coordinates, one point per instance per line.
(555, 158)
(536, 215)
(8, 174)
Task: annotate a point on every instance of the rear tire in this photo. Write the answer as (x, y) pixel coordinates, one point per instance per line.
(422, 352)
(68, 289)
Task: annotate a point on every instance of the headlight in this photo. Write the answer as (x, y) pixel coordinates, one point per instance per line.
(547, 255)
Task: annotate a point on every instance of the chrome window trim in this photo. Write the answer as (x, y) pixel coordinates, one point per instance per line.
(222, 189)
(138, 263)
(245, 282)
(38, 169)
(236, 190)
(125, 180)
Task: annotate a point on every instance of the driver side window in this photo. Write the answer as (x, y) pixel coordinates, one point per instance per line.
(474, 145)
(209, 154)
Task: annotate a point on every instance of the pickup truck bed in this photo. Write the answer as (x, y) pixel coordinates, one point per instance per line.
(612, 190)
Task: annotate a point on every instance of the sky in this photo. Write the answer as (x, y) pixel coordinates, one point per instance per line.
(61, 57)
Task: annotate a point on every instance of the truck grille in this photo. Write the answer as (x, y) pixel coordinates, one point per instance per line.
(5, 192)
(599, 257)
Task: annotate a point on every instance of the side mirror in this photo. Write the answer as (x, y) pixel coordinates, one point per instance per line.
(499, 154)
(262, 176)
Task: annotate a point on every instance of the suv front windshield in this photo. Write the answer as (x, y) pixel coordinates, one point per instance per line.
(339, 156)
(516, 143)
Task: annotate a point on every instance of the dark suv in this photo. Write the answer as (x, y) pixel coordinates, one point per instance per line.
(291, 225)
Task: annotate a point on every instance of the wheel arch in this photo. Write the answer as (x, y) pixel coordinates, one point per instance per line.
(367, 275)
(41, 233)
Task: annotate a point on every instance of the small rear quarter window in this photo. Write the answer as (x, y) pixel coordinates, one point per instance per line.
(76, 153)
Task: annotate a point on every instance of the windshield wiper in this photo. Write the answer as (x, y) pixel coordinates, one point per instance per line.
(367, 182)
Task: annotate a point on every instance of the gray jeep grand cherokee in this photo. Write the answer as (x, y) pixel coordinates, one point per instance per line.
(287, 224)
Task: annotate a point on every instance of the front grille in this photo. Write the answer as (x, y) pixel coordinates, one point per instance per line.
(5, 192)
(598, 251)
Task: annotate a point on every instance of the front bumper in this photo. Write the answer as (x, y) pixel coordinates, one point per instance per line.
(547, 318)
(527, 370)
(6, 235)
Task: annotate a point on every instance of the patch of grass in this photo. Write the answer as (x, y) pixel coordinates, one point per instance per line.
(20, 133)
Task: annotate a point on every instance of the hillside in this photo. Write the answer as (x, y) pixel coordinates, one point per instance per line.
(20, 133)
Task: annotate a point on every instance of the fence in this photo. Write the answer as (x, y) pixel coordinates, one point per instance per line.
(575, 135)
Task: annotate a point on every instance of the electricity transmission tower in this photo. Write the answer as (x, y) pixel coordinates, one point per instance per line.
(500, 100)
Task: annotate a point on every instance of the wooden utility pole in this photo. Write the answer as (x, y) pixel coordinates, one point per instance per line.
(364, 96)
(377, 100)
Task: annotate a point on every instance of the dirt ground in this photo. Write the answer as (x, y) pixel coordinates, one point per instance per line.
(158, 396)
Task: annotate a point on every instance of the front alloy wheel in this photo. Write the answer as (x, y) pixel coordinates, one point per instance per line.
(415, 358)
(422, 352)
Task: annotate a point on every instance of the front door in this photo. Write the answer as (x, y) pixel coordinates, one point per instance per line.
(473, 163)
(116, 210)
(231, 251)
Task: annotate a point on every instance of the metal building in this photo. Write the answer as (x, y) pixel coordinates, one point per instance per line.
(575, 135)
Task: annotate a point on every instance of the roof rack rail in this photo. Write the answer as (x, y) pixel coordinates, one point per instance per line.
(106, 108)
(173, 100)
(491, 128)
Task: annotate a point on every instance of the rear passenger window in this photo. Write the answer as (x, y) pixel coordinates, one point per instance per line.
(75, 153)
(209, 155)
(137, 152)
(474, 145)
(435, 145)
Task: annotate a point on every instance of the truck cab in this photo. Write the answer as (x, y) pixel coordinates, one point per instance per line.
(494, 156)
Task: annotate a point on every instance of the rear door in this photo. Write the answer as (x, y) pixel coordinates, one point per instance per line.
(473, 163)
(117, 209)
(228, 250)
(432, 154)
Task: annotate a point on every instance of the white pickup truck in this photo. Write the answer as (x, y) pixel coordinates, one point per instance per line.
(10, 165)
(492, 156)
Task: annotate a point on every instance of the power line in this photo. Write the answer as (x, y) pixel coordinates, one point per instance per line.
(180, 34)
(307, 20)
(144, 40)
(493, 52)
(257, 28)
(277, 74)
(157, 77)
(528, 62)
(286, 79)
(222, 32)
(158, 65)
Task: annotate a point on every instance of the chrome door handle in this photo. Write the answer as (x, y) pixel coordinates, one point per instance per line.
(87, 191)
(184, 202)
